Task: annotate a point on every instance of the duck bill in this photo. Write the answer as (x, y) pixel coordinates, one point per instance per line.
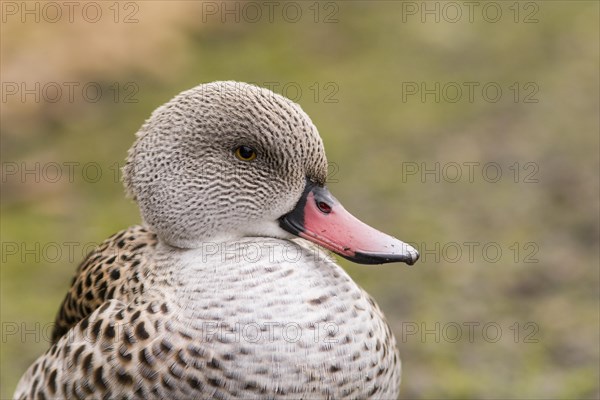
(320, 218)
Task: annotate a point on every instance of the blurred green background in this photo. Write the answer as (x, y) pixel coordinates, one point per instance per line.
(350, 65)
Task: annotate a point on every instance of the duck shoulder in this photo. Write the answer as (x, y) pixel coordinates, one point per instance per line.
(115, 269)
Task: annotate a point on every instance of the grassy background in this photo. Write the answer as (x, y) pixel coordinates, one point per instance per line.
(360, 58)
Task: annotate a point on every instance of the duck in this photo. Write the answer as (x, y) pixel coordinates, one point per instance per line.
(228, 288)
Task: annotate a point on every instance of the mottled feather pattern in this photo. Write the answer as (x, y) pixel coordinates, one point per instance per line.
(194, 334)
(209, 297)
(116, 269)
(171, 159)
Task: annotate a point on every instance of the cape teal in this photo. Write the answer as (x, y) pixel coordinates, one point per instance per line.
(225, 289)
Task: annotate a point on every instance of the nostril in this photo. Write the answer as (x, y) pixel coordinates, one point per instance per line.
(324, 207)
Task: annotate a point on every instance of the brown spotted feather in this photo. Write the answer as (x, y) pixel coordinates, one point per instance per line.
(114, 270)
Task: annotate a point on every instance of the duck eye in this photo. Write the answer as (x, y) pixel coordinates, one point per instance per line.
(245, 153)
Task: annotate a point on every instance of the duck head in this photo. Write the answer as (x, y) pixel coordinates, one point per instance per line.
(226, 160)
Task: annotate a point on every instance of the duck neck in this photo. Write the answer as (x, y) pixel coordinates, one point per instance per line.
(248, 255)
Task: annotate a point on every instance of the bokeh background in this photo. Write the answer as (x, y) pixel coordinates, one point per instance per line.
(353, 66)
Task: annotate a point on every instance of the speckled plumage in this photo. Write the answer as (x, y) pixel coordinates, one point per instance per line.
(210, 298)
